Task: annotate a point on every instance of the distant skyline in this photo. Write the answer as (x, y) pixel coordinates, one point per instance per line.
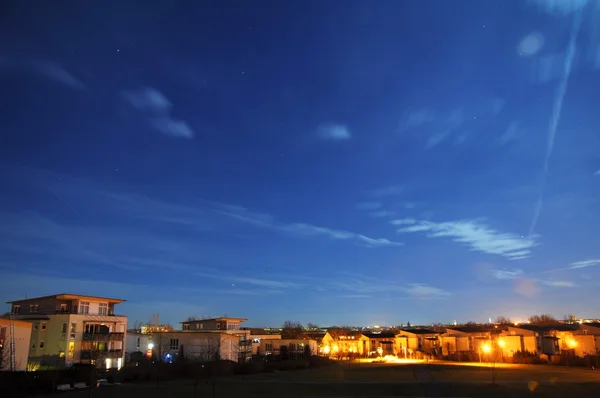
(329, 162)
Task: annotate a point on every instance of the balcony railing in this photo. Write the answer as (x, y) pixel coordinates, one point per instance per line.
(103, 336)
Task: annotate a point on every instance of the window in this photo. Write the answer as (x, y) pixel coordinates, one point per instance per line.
(35, 326)
(63, 308)
(44, 326)
(33, 344)
(269, 347)
(73, 328)
(42, 345)
(71, 350)
(233, 326)
(102, 309)
(174, 344)
(64, 328)
(186, 326)
(16, 309)
(84, 307)
(33, 308)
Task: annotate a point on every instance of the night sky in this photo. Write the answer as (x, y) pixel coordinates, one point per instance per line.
(335, 162)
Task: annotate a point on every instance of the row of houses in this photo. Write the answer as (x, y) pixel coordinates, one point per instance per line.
(64, 329)
(577, 339)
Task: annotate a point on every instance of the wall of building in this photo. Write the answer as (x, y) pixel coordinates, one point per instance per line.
(22, 341)
(201, 346)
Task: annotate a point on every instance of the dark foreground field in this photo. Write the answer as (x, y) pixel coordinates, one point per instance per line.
(380, 380)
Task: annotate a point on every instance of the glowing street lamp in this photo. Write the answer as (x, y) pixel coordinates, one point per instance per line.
(326, 350)
(501, 343)
(572, 343)
(486, 348)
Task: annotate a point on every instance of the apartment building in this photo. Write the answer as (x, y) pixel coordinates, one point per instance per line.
(71, 328)
(21, 341)
(205, 340)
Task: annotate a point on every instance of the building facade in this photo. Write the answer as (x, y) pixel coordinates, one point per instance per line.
(70, 328)
(21, 341)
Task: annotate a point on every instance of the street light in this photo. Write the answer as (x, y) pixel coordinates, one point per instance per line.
(501, 343)
(486, 348)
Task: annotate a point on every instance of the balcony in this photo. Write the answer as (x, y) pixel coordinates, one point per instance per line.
(103, 336)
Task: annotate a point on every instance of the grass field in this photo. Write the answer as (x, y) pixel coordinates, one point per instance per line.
(381, 380)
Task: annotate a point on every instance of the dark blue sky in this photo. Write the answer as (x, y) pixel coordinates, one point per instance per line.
(336, 162)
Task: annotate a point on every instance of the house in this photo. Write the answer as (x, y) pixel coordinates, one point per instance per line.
(257, 336)
(205, 340)
(409, 341)
(516, 339)
(554, 339)
(201, 346)
(72, 328)
(381, 343)
(21, 341)
(341, 343)
(585, 334)
(462, 339)
(287, 348)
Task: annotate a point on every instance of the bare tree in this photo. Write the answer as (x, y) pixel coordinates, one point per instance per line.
(543, 319)
(292, 330)
(503, 320)
(192, 318)
(160, 349)
(312, 326)
(137, 326)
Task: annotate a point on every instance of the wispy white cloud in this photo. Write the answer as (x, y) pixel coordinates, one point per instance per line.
(560, 7)
(148, 100)
(174, 128)
(368, 205)
(57, 73)
(390, 190)
(335, 234)
(517, 274)
(584, 264)
(511, 133)
(597, 173)
(425, 291)
(561, 90)
(158, 108)
(474, 234)
(333, 132)
(344, 286)
(507, 274)
(554, 283)
(383, 213)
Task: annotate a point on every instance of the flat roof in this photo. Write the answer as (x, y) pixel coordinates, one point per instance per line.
(224, 318)
(70, 296)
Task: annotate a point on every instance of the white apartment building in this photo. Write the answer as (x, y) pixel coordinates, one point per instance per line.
(71, 328)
